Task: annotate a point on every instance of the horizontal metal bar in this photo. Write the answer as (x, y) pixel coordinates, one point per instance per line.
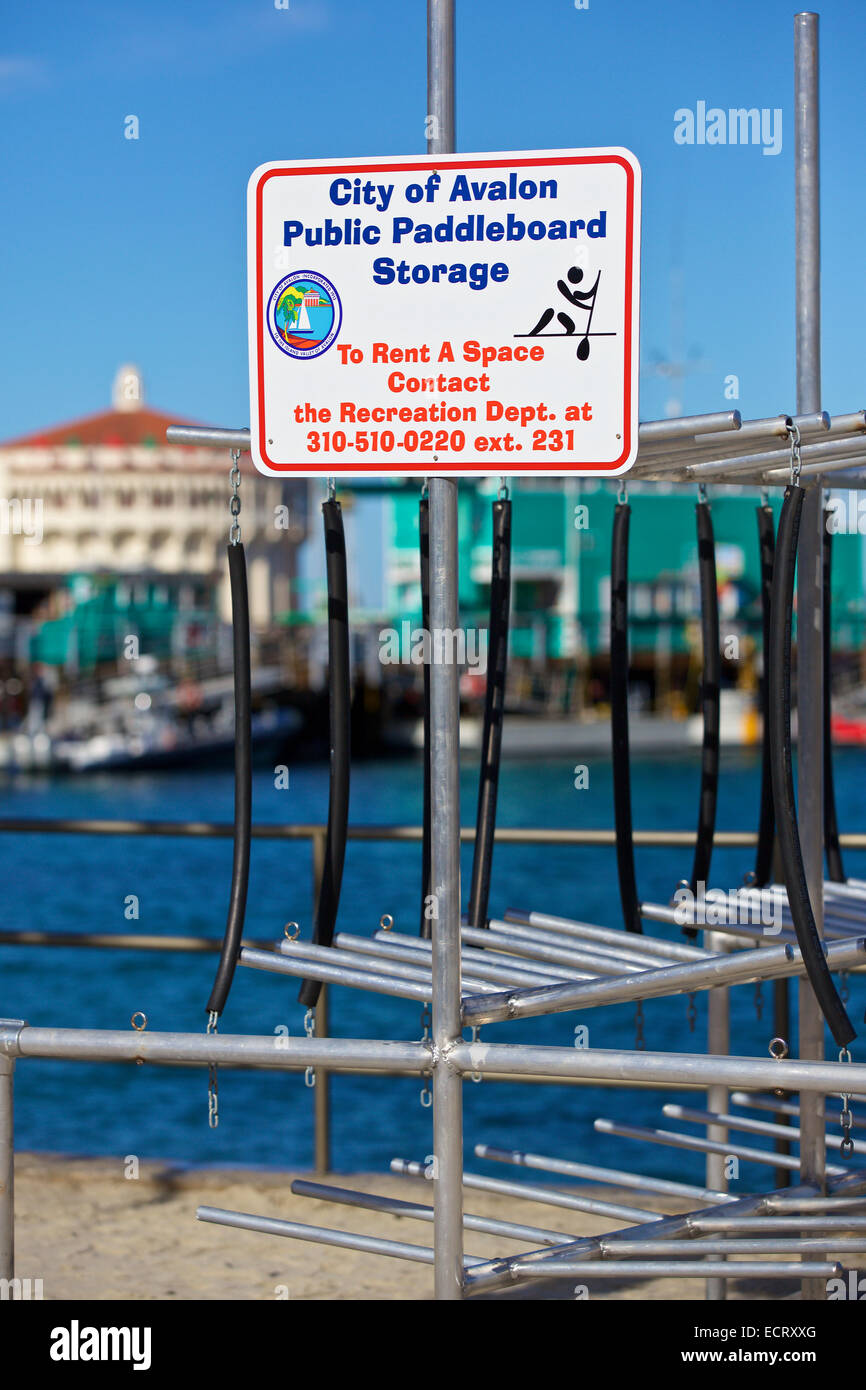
(208, 435)
(712, 1224)
(683, 1269)
(601, 1063)
(321, 1235)
(64, 825)
(276, 1052)
(307, 951)
(652, 945)
(743, 1123)
(303, 968)
(759, 1245)
(673, 1140)
(394, 1206)
(783, 1203)
(125, 941)
(768, 963)
(784, 1107)
(593, 964)
(498, 968)
(660, 431)
(623, 958)
(616, 1176)
(529, 1192)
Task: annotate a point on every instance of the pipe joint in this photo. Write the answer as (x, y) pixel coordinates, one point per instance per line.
(10, 1029)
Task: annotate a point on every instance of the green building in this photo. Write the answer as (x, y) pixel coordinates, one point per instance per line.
(561, 579)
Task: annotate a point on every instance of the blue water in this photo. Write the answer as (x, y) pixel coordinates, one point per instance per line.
(79, 882)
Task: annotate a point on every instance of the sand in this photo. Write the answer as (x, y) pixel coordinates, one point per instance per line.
(90, 1232)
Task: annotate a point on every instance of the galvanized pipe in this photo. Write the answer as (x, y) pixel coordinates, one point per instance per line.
(688, 1141)
(445, 796)
(278, 1053)
(711, 1225)
(614, 959)
(394, 1206)
(671, 1269)
(615, 1176)
(529, 1192)
(684, 1067)
(308, 968)
(401, 970)
(7, 1168)
(741, 1122)
(320, 1235)
(767, 963)
(810, 598)
(747, 1245)
(538, 949)
(651, 945)
(718, 1044)
(783, 1107)
(484, 965)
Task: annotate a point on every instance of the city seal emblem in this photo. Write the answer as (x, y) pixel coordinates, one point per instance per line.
(304, 314)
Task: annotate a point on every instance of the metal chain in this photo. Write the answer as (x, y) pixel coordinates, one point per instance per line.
(426, 1020)
(235, 503)
(846, 1148)
(213, 1110)
(692, 1013)
(310, 1030)
(796, 462)
(622, 494)
(639, 1040)
(702, 492)
(503, 490)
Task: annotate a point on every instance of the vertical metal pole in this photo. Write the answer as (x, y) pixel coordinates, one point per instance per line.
(445, 767)
(445, 856)
(440, 77)
(7, 1162)
(782, 1029)
(718, 1045)
(322, 1091)
(810, 746)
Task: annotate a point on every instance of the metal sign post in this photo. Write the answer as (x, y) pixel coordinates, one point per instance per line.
(445, 769)
(809, 576)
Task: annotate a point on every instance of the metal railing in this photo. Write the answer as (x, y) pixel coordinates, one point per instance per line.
(316, 834)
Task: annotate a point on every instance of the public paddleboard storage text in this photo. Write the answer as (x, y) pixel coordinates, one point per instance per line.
(367, 308)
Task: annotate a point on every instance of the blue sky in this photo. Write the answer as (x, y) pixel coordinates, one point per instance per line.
(121, 250)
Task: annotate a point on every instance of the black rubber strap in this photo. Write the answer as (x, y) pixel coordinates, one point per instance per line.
(243, 783)
(426, 927)
(619, 719)
(339, 705)
(832, 848)
(710, 695)
(781, 612)
(767, 820)
(494, 709)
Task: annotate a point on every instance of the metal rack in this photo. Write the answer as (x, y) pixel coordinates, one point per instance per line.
(551, 965)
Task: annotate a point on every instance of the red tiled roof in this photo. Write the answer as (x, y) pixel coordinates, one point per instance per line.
(114, 429)
(110, 427)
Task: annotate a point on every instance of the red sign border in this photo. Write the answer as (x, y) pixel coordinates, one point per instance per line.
(412, 166)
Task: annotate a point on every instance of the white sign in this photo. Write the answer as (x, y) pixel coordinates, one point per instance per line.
(475, 312)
